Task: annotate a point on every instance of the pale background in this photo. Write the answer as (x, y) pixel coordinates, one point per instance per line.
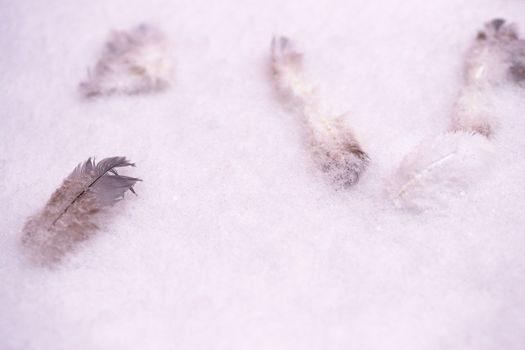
(235, 241)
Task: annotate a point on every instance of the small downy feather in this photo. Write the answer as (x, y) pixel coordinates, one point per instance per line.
(133, 62)
(442, 167)
(334, 147)
(70, 216)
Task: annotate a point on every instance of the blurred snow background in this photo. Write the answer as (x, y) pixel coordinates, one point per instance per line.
(235, 241)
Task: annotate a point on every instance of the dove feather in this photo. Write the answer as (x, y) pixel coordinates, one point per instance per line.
(70, 214)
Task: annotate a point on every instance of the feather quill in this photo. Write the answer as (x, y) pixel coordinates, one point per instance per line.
(442, 167)
(132, 62)
(334, 147)
(70, 215)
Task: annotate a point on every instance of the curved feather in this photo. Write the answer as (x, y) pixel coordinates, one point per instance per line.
(334, 146)
(71, 212)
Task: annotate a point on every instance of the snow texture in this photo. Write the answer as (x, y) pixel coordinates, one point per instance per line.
(235, 241)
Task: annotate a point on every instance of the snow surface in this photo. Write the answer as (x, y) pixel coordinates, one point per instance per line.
(235, 240)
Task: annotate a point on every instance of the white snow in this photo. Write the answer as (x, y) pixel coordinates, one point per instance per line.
(236, 241)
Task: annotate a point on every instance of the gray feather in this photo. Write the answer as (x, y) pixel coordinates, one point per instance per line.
(70, 216)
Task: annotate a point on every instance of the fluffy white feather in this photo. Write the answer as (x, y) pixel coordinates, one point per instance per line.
(132, 62)
(439, 169)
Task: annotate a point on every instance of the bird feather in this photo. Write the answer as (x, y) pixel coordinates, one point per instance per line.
(440, 169)
(334, 146)
(70, 215)
(132, 62)
(494, 56)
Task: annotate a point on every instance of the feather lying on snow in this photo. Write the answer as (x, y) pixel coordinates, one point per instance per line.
(335, 149)
(496, 55)
(132, 62)
(70, 214)
(439, 169)
(443, 167)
